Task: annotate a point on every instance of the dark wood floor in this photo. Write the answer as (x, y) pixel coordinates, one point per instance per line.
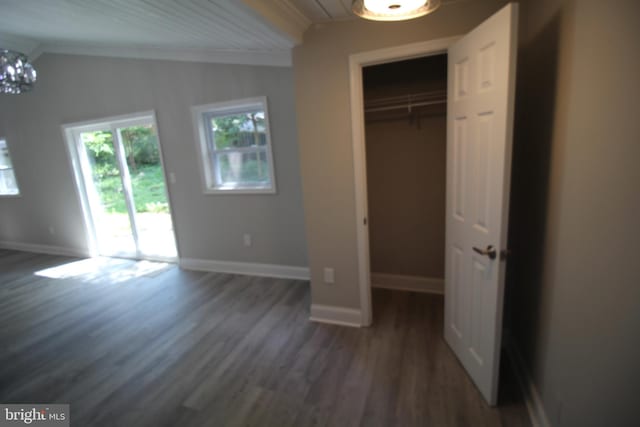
(130, 344)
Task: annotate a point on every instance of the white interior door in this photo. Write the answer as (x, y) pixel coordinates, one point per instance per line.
(481, 77)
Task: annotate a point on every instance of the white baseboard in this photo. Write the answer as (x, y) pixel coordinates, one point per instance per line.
(408, 283)
(247, 268)
(532, 399)
(336, 315)
(45, 249)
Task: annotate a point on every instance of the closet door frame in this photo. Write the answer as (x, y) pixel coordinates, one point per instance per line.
(356, 63)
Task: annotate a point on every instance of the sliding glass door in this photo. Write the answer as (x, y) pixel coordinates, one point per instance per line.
(104, 186)
(121, 181)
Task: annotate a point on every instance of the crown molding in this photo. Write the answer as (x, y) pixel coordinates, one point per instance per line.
(283, 16)
(280, 58)
(20, 44)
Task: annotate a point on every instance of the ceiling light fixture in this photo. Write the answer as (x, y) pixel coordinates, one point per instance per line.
(393, 10)
(17, 75)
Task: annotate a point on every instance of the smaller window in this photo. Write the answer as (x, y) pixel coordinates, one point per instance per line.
(8, 184)
(235, 146)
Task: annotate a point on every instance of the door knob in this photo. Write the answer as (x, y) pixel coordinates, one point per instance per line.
(490, 251)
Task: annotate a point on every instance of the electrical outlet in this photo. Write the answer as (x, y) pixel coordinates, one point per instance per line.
(329, 275)
(172, 177)
(52, 230)
(247, 239)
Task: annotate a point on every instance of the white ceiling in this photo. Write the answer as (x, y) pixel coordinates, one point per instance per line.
(229, 31)
(325, 10)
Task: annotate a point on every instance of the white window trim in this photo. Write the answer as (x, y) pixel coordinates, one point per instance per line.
(207, 169)
(13, 168)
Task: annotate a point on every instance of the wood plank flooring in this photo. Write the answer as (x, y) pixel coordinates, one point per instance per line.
(130, 343)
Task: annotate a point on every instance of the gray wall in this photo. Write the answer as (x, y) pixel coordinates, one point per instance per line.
(324, 127)
(76, 88)
(574, 278)
(406, 195)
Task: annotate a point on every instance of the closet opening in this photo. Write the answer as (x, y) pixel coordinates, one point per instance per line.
(405, 112)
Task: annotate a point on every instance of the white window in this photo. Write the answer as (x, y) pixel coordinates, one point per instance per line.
(8, 184)
(235, 146)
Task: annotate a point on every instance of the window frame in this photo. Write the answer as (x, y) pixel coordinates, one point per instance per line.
(209, 170)
(13, 169)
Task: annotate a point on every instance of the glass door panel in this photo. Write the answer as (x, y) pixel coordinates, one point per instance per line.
(107, 199)
(150, 208)
(121, 182)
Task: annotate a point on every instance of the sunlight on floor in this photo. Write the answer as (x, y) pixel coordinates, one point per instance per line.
(155, 235)
(113, 270)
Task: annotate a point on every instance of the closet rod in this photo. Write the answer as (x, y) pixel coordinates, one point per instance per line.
(410, 96)
(407, 106)
(406, 101)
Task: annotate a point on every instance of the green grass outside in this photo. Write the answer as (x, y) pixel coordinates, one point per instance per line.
(148, 191)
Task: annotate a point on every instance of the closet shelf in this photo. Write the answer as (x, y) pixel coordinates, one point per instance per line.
(405, 102)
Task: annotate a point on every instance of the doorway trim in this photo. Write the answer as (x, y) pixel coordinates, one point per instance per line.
(357, 62)
(68, 130)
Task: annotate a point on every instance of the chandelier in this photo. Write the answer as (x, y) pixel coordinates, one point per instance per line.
(393, 10)
(17, 75)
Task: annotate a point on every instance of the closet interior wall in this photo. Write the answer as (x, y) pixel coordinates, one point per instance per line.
(406, 160)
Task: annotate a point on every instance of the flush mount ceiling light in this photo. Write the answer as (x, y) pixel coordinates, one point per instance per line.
(17, 75)
(393, 10)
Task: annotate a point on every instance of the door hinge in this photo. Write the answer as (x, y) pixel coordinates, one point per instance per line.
(364, 221)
